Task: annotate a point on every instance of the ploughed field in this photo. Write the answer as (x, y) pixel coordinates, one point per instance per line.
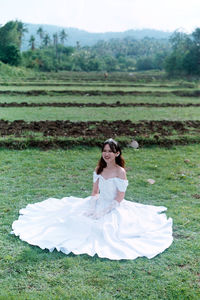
(65, 109)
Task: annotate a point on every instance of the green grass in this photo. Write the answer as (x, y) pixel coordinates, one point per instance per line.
(32, 140)
(169, 85)
(97, 99)
(91, 114)
(8, 73)
(27, 272)
(90, 88)
(152, 76)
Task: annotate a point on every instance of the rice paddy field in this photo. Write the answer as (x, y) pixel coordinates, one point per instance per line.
(51, 127)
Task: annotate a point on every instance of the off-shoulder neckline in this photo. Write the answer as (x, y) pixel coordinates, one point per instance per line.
(110, 177)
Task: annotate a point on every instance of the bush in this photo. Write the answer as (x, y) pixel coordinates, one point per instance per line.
(143, 64)
(10, 55)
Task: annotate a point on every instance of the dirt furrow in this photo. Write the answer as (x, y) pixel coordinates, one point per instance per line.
(102, 104)
(65, 144)
(98, 129)
(187, 85)
(181, 93)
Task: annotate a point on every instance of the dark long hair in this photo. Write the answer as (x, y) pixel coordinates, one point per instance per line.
(114, 146)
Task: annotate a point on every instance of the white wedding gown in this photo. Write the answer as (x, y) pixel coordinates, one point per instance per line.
(128, 231)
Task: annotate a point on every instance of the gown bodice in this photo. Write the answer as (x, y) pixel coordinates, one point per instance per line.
(109, 187)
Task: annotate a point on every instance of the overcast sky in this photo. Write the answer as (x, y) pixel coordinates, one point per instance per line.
(105, 15)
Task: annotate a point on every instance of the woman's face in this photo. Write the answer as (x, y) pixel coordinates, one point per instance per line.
(108, 155)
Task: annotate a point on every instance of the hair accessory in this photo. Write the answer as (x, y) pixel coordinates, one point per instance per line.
(110, 140)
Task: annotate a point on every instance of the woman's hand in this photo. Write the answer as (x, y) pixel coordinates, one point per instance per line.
(92, 206)
(99, 214)
(120, 196)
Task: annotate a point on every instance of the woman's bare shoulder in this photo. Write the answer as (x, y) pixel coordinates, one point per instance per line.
(121, 173)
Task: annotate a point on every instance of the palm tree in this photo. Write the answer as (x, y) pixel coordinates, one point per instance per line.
(32, 42)
(21, 29)
(78, 45)
(40, 32)
(46, 40)
(63, 36)
(55, 39)
(55, 42)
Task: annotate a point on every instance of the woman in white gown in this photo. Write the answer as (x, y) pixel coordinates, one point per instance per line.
(104, 224)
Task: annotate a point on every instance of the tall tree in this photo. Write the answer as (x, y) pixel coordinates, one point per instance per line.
(40, 32)
(10, 43)
(196, 36)
(46, 40)
(185, 56)
(63, 36)
(55, 39)
(78, 45)
(9, 34)
(55, 43)
(32, 42)
(22, 29)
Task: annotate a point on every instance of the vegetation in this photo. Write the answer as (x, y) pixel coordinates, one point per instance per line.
(88, 114)
(11, 35)
(115, 55)
(178, 56)
(130, 54)
(85, 38)
(8, 72)
(185, 56)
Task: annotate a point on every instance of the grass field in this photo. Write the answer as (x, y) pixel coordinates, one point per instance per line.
(90, 113)
(97, 99)
(27, 271)
(93, 87)
(31, 175)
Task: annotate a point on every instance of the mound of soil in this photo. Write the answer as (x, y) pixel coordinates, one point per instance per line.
(92, 104)
(100, 128)
(46, 144)
(104, 84)
(181, 93)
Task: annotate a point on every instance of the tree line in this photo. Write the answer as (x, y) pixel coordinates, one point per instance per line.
(184, 58)
(11, 35)
(180, 55)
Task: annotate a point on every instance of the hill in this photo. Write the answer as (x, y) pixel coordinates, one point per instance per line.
(89, 39)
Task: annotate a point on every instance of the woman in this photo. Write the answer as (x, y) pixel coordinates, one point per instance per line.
(103, 224)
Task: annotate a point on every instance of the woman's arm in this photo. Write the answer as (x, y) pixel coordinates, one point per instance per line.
(122, 175)
(120, 196)
(95, 189)
(93, 200)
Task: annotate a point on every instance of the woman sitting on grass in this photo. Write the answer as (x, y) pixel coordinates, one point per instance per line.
(104, 224)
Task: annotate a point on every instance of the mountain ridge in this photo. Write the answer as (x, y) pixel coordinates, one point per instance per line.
(86, 38)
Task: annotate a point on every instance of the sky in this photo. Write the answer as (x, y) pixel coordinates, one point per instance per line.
(105, 15)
